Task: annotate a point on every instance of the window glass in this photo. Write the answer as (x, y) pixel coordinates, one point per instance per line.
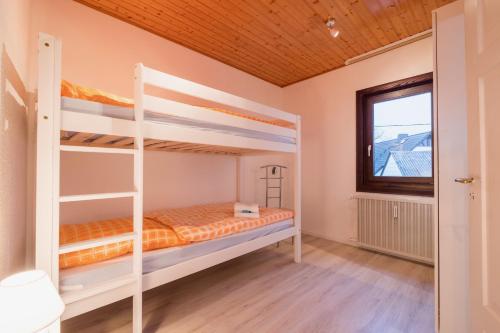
(402, 137)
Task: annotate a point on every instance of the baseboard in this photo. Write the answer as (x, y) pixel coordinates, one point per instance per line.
(322, 236)
(355, 243)
(397, 255)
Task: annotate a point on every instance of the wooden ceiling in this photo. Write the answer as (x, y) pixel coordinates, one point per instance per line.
(280, 41)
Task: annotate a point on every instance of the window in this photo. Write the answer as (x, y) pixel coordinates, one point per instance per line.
(394, 137)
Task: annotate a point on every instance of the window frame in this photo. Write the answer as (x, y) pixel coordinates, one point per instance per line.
(366, 181)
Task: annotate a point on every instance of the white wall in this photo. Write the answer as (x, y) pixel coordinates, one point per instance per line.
(327, 104)
(14, 43)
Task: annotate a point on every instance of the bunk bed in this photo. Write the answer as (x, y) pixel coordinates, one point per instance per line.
(218, 123)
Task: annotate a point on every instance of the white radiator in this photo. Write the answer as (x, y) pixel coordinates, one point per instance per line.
(399, 228)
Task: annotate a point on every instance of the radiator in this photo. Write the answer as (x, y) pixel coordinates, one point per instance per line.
(399, 228)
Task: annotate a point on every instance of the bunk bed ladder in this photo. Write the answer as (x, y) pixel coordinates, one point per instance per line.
(49, 199)
(47, 159)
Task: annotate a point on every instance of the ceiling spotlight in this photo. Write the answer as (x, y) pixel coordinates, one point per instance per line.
(330, 23)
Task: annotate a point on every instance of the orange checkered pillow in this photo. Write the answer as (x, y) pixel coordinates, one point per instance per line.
(154, 236)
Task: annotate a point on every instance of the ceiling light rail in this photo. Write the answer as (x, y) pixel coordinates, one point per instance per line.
(389, 47)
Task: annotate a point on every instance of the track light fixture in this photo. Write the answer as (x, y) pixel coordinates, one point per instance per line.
(330, 24)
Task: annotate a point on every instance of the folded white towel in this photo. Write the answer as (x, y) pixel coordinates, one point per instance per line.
(246, 210)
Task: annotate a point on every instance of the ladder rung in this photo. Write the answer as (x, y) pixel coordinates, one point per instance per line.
(88, 149)
(96, 196)
(99, 288)
(88, 244)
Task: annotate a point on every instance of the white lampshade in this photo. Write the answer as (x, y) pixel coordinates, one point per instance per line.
(29, 302)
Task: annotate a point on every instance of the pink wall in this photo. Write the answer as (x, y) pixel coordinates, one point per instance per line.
(170, 180)
(328, 107)
(253, 188)
(100, 51)
(14, 44)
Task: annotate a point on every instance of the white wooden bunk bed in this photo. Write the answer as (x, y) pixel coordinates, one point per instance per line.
(162, 124)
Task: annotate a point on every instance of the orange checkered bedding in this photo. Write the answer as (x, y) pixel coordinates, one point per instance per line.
(154, 236)
(72, 90)
(162, 229)
(205, 222)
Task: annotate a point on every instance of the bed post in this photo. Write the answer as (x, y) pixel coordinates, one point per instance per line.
(297, 239)
(47, 159)
(138, 197)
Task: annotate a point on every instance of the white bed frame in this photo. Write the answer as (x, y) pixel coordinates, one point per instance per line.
(51, 120)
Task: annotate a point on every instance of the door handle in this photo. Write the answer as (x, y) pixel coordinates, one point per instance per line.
(469, 180)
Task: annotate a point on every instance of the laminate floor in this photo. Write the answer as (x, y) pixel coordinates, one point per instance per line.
(336, 288)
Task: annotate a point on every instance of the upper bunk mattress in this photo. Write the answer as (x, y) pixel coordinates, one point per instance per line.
(93, 101)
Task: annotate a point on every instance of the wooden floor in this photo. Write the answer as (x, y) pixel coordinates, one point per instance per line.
(337, 288)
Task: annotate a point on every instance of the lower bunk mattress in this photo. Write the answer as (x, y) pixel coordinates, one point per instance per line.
(161, 229)
(82, 276)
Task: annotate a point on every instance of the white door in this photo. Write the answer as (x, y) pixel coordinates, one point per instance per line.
(482, 19)
(451, 129)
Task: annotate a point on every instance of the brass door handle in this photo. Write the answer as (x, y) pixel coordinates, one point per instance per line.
(469, 180)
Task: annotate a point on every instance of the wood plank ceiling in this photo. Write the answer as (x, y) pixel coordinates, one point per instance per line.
(279, 41)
